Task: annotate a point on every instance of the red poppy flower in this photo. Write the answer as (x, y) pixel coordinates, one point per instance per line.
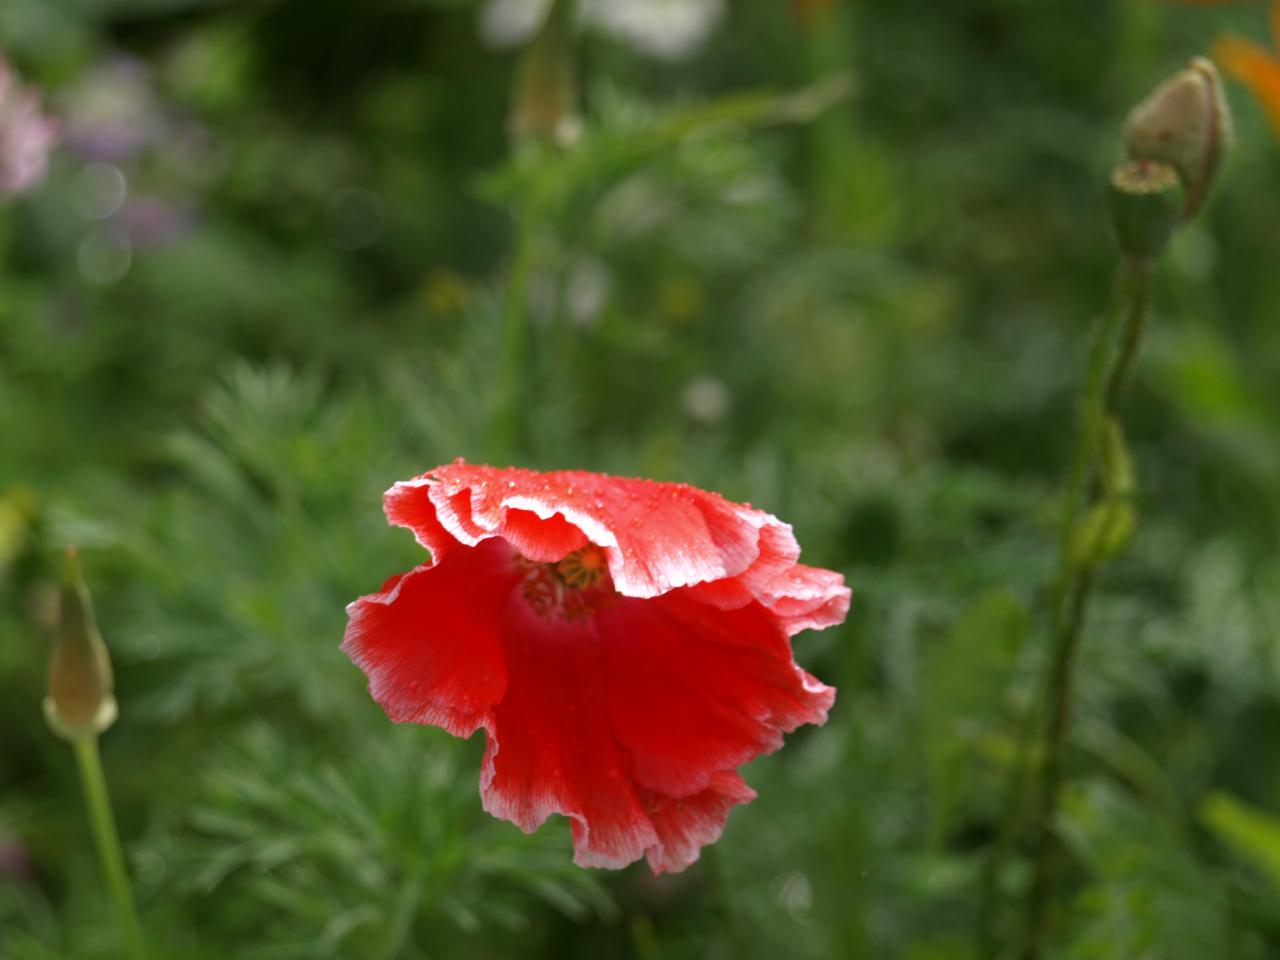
(625, 645)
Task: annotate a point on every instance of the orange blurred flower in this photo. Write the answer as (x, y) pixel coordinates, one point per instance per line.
(1257, 67)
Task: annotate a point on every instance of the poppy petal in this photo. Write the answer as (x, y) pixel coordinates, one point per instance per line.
(551, 749)
(406, 504)
(685, 825)
(808, 598)
(430, 642)
(695, 690)
(656, 536)
(802, 597)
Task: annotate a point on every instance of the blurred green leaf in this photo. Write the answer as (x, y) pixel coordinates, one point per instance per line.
(1148, 895)
(964, 678)
(379, 843)
(1252, 833)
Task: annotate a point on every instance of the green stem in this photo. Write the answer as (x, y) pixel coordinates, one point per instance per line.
(505, 429)
(722, 891)
(1090, 411)
(1062, 687)
(1137, 271)
(1071, 601)
(406, 910)
(107, 840)
(644, 940)
(1093, 406)
(544, 98)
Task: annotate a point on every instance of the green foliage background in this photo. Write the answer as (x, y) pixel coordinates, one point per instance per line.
(865, 313)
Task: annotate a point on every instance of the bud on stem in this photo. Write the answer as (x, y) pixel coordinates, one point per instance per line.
(1186, 124)
(80, 703)
(544, 100)
(1146, 204)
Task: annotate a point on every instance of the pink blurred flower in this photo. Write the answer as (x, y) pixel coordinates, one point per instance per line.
(27, 134)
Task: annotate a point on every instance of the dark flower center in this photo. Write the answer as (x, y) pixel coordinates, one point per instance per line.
(572, 589)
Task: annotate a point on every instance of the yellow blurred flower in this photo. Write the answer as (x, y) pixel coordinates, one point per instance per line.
(445, 291)
(680, 301)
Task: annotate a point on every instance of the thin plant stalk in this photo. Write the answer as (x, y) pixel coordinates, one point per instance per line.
(107, 840)
(407, 904)
(504, 433)
(1096, 398)
(1090, 406)
(1138, 273)
(542, 116)
(722, 893)
(1101, 393)
(644, 940)
(1174, 141)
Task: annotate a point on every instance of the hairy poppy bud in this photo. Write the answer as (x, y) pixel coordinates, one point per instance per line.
(544, 100)
(80, 703)
(1185, 123)
(1146, 204)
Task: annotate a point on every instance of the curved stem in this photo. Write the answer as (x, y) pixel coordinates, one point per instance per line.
(1075, 585)
(406, 909)
(644, 940)
(1094, 400)
(1062, 687)
(1137, 270)
(107, 840)
(505, 429)
(1091, 404)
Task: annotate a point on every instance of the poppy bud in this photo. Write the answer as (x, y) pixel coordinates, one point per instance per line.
(1146, 203)
(1185, 123)
(80, 703)
(543, 105)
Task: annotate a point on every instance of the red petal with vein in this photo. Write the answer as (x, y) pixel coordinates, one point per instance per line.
(430, 642)
(685, 825)
(807, 598)
(551, 749)
(695, 690)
